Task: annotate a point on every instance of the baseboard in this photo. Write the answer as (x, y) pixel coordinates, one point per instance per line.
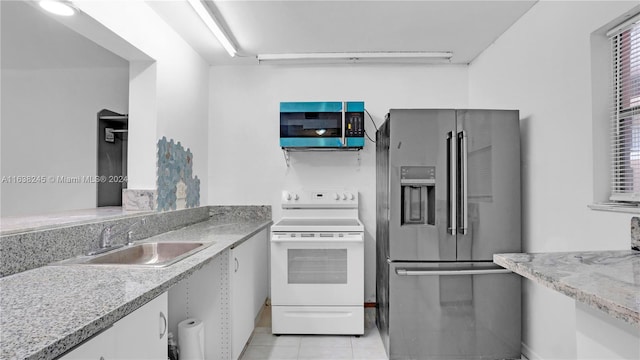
(256, 320)
(267, 302)
(529, 354)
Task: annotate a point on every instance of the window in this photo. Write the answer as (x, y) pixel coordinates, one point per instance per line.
(625, 117)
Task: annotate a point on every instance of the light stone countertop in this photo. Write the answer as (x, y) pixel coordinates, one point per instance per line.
(17, 224)
(48, 310)
(605, 280)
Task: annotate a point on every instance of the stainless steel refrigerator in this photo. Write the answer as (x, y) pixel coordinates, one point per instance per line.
(448, 198)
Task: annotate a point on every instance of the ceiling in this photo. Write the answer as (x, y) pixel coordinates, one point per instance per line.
(32, 39)
(465, 28)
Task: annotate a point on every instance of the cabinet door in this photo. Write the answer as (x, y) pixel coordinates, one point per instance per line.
(205, 295)
(242, 319)
(143, 333)
(100, 347)
(249, 276)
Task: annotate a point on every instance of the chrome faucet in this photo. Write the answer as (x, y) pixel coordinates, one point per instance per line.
(108, 234)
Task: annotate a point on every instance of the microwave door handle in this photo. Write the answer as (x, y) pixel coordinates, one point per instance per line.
(464, 195)
(451, 184)
(344, 108)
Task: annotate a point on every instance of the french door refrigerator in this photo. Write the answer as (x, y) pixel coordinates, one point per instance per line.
(448, 198)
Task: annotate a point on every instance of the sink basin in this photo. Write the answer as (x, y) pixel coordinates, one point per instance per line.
(153, 254)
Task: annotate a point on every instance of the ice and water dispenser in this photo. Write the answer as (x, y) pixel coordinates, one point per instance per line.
(418, 195)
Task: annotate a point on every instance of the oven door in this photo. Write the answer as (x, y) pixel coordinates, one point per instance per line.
(317, 271)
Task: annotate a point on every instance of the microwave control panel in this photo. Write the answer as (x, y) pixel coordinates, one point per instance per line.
(354, 124)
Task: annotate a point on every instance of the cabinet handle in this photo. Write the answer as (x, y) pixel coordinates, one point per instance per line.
(164, 319)
(237, 264)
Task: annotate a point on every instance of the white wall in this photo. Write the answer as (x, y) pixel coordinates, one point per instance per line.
(247, 166)
(600, 336)
(49, 123)
(542, 66)
(54, 81)
(170, 97)
(167, 96)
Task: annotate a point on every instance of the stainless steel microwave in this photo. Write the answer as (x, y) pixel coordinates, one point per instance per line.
(322, 124)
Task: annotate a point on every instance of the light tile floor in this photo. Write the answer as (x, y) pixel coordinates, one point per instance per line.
(266, 346)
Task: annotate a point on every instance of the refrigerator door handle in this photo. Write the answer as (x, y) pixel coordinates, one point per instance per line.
(418, 272)
(464, 196)
(451, 185)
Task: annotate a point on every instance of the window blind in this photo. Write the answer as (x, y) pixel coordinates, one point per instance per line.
(625, 115)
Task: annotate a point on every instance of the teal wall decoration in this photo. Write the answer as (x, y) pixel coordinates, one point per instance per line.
(177, 187)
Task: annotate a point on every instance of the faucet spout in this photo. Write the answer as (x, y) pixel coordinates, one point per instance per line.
(108, 234)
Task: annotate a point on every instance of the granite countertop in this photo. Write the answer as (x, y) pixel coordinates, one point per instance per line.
(48, 310)
(605, 280)
(17, 224)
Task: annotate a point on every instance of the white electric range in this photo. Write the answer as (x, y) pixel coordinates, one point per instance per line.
(317, 264)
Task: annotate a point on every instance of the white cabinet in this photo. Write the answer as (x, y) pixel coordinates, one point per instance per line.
(248, 270)
(139, 335)
(143, 333)
(100, 347)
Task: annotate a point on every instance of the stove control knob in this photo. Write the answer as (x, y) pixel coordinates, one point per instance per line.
(344, 196)
(286, 195)
(351, 196)
(336, 196)
(296, 197)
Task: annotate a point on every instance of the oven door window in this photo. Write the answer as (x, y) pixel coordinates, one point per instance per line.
(317, 266)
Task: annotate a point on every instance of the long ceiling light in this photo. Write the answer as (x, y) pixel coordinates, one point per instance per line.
(358, 57)
(212, 23)
(63, 8)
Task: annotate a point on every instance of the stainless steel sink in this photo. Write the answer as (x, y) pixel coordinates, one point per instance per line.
(153, 254)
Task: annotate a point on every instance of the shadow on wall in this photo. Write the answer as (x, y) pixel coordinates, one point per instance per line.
(525, 150)
(177, 187)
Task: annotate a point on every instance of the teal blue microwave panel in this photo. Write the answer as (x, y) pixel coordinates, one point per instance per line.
(320, 124)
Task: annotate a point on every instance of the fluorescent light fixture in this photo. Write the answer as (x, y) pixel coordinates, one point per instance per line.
(213, 25)
(356, 57)
(63, 8)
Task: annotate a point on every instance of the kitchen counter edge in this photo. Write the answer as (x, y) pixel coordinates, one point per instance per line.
(608, 281)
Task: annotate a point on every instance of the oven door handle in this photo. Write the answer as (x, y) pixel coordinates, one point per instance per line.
(355, 239)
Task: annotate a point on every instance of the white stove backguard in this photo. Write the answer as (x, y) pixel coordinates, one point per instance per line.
(322, 198)
(320, 203)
